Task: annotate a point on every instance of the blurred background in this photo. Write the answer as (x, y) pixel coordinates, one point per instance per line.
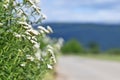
(91, 23)
(90, 28)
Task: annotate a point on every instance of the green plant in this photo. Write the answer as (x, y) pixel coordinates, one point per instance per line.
(93, 48)
(114, 51)
(71, 47)
(25, 53)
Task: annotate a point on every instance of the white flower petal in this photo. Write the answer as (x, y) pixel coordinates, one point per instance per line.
(38, 55)
(33, 32)
(23, 64)
(36, 45)
(49, 66)
(1, 24)
(49, 29)
(43, 29)
(16, 35)
(30, 57)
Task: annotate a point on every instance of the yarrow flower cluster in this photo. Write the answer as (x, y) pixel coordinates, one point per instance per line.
(32, 35)
(26, 53)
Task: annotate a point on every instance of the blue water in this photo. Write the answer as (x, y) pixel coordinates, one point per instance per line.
(107, 36)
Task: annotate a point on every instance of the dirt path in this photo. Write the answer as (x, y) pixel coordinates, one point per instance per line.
(76, 68)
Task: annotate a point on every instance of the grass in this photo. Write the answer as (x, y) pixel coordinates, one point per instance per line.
(102, 57)
(50, 76)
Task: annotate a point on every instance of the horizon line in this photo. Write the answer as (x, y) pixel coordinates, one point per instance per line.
(80, 22)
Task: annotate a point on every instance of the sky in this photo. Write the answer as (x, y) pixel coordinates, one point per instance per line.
(95, 11)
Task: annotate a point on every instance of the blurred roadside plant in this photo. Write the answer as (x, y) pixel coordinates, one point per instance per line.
(93, 48)
(114, 51)
(25, 53)
(72, 47)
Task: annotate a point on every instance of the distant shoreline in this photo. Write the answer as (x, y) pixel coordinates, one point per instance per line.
(106, 35)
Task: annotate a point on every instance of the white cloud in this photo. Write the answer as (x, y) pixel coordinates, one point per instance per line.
(83, 2)
(100, 16)
(82, 10)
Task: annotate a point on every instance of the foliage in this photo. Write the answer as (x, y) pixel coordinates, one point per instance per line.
(93, 48)
(25, 53)
(102, 56)
(72, 46)
(115, 51)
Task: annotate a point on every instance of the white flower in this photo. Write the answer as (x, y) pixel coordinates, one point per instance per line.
(38, 10)
(46, 40)
(35, 7)
(31, 1)
(34, 38)
(51, 52)
(43, 29)
(57, 46)
(23, 18)
(20, 12)
(49, 47)
(5, 6)
(49, 66)
(44, 53)
(33, 32)
(44, 16)
(29, 38)
(52, 55)
(1, 24)
(60, 41)
(27, 33)
(37, 1)
(16, 35)
(22, 35)
(26, 25)
(49, 29)
(6, 3)
(23, 64)
(30, 57)
(36, 45)
(32, 41)
(37, 54)
(54, 59)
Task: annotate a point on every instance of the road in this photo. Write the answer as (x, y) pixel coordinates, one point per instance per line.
(77, 68)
